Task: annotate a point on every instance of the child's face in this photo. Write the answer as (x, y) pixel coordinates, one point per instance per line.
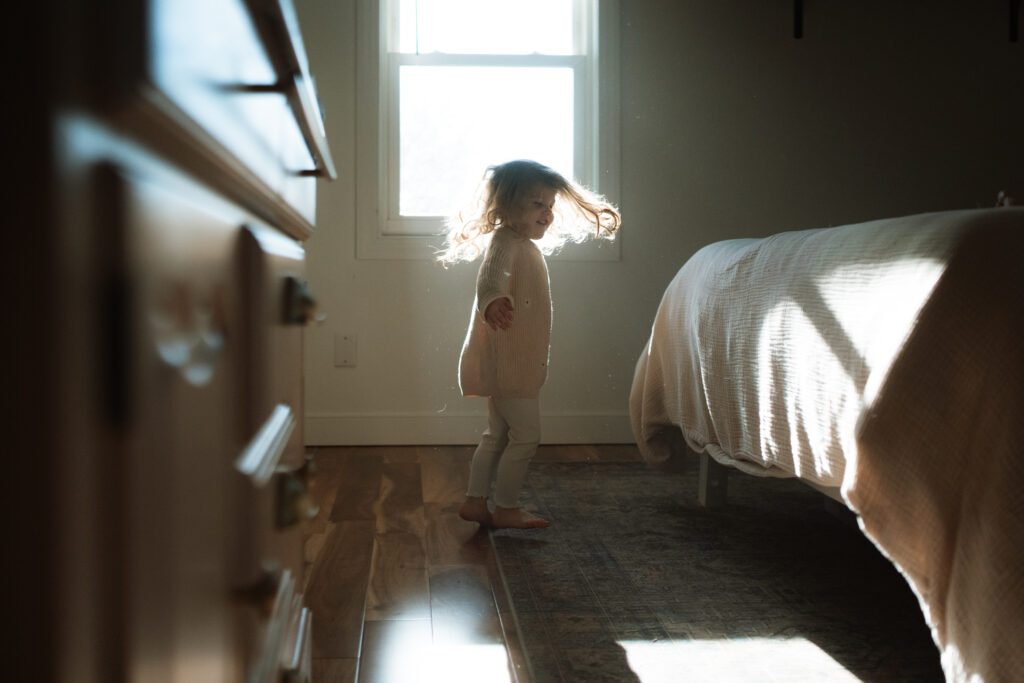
(535, 212)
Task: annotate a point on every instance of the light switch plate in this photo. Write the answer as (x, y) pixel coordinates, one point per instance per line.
(345, 348)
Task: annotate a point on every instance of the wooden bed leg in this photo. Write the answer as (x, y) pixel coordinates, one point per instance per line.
(711, 487)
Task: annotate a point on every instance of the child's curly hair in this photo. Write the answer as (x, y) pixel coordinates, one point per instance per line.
(579, 213)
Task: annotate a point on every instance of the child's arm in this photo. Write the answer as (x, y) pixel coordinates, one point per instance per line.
(493, 291)
(499, 314)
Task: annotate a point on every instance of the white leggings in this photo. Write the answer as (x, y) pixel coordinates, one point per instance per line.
(506, 448)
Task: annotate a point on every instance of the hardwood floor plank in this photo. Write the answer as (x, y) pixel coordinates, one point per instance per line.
(518, 668)
(397, 650)
(397, 454)
(445, 473)
(449, 539)
(336, 591)
(462, 608)
(335, 670)
(358, 489)
(497, 583)
(401, 588)
(323, 487)
(312, 545)
(400, 506)
(398, 579)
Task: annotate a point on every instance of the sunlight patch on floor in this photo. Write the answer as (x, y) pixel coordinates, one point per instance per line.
(739, 659)
(476, 663)
(433, 663)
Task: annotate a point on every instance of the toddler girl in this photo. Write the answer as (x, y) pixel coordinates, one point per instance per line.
(505, 355)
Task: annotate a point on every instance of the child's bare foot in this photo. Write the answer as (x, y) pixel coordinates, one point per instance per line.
(516, 518)
(474, 509)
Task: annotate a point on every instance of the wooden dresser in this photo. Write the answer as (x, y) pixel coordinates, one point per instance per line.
(157, 440)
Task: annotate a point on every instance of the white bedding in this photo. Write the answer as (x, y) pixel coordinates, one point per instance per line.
(868, 357)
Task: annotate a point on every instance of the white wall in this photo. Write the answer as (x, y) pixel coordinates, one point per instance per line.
(730, 128)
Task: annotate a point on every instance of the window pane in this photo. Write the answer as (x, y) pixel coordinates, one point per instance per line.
(514, 27)
(457, 121)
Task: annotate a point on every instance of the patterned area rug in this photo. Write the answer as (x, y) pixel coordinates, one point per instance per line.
(634, 582)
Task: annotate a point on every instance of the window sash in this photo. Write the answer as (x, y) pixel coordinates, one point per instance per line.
(601, 149)
(396, 224)
(584, 36)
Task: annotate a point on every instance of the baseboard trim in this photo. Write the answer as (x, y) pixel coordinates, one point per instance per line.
(395, 429)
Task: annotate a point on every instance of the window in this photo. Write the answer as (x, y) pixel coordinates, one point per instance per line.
(449, 87)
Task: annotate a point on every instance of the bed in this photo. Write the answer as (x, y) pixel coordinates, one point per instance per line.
(880, 362)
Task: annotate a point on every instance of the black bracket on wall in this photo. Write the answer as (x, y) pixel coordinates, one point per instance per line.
(1014, 19)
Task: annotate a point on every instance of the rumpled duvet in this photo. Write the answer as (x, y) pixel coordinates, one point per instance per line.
(884, 358)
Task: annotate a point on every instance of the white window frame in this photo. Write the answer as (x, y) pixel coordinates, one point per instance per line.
(380, 232)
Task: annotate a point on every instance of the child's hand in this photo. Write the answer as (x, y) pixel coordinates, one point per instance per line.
(499, 314)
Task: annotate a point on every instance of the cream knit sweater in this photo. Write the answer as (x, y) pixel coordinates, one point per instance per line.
(510, 363)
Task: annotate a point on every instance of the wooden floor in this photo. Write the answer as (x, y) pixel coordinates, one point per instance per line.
(401, 588)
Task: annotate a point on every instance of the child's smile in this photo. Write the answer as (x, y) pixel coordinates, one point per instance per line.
(536, 212)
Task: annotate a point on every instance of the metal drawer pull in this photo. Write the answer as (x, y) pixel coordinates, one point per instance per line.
(268, 663)
(312, 125)
(297, 664)
(280, 25)
(261, 456)
(267, 89)
(302, 99)
(300, 306)
(294, 502)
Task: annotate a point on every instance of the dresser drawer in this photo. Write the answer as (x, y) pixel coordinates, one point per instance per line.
(179, 145)
(202, 308)
(276, 306)
(271, 491)
(171, 345)
(207, 57)
(223, 84)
